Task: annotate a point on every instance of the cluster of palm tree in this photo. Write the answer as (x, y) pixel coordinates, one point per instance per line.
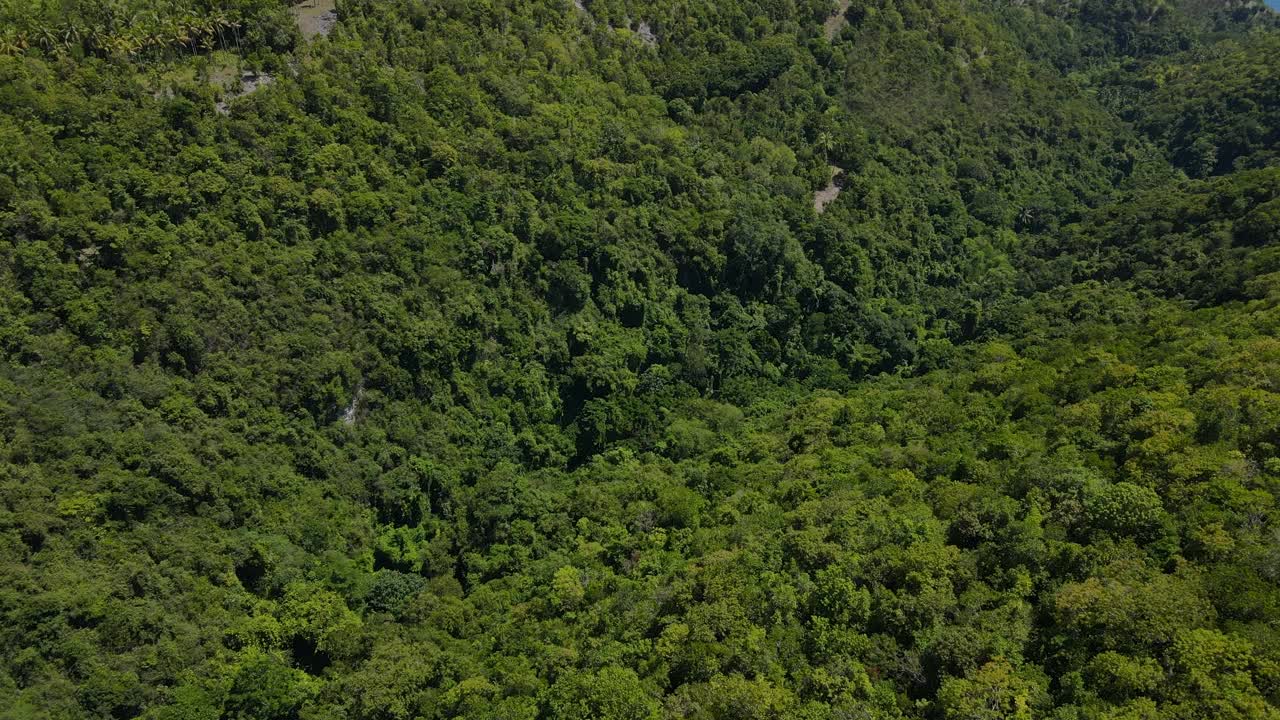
(126, 34)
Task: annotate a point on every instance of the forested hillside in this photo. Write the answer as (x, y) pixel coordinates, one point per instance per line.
(640, 359)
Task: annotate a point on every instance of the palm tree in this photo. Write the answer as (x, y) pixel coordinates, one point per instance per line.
(1026, 217)
(219, 23)
(175, 33)
(108, 12)
(71, 35)
(118, 45)
(203, 40)
(137, 39)
(208, 32)
(189, 30)
(94, 38)
(46, 37)
(11, 45)
(154, 33)
(235, 32)
(826, 143)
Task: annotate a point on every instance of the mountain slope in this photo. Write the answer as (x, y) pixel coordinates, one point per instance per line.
(490, 360)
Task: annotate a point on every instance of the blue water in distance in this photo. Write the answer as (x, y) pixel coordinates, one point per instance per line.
(1274, 4)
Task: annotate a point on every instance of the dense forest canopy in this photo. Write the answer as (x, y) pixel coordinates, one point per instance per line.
(399, 359)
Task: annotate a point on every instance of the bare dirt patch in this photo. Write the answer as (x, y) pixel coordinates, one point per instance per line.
(249, 82)
(315, 17)
(837, 21)
(828, 194)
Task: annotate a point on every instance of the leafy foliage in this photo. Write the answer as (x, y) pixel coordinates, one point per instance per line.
(492, 361)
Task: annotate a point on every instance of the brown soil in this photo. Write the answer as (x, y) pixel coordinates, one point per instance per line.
(315, 17)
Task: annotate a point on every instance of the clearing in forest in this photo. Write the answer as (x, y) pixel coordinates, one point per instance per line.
(828, 194)
(836, 22)
(315, 17)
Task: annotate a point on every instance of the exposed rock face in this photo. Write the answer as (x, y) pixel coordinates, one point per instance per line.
(350, 415)
(645, 31)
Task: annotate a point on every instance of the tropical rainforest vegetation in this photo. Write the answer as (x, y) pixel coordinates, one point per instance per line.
(493, 361)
